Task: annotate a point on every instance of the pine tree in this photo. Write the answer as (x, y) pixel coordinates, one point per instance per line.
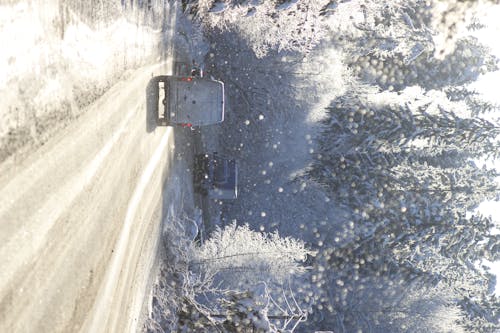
(409, 200)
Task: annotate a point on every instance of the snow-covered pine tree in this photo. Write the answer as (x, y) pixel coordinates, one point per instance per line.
(463, 65)
(475, 103)
(384, 29)
(377, 157)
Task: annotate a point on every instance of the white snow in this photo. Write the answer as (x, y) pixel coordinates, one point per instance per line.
(53, 60)
(106, 294)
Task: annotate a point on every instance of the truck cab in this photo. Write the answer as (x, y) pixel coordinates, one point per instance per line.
(216, 176)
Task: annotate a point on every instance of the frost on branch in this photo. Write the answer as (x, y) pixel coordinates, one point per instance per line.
(267, 25)
(240, 279)
(241, 256)
(384, 29)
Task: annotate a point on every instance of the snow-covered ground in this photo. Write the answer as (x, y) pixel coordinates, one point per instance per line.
(270, 127)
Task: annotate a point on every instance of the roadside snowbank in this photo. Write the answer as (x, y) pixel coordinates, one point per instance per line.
(56, 64)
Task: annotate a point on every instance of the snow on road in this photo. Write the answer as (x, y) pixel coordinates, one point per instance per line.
(105, 297)
(60, 56)
(59, 235)
(81, 168)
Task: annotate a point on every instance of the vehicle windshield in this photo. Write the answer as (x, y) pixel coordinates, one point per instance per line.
(220, 171)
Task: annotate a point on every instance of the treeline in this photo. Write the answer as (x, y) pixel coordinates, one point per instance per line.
(408, 172)
(402, 151)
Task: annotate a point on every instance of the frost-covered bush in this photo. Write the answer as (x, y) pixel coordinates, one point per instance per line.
(247, 309)
(229, 283)
(241, 257)
(295, 25)
(175, 286)
(262, 267)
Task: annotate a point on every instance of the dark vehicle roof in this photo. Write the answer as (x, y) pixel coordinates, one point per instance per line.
(225, 181)
(223, 174)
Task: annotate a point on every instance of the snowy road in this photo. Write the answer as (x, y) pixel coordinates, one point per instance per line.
(80, 218)
(81, 210)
